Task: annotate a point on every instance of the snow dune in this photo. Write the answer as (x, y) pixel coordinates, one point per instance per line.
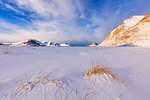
(24, 73)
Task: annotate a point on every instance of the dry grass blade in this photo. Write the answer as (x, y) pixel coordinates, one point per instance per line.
(23, 88)
(88, 92)
(60, 84)
(88, 95)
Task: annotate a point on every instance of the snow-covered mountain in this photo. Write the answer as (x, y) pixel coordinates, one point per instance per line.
(134, 31)
(64, 45)
(5, 44)
(56, 44)
(29, 42)
(33, 42)
(51, 44)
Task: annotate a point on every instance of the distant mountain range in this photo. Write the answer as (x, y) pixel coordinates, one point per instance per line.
(33, 42)
(134, 31)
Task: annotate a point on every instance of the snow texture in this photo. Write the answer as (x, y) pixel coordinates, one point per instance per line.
(69, 65)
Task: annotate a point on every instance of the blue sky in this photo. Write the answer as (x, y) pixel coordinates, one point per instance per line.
(72, 21)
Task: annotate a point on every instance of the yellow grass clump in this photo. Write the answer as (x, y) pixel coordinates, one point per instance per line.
(101, 70)
(5, 52)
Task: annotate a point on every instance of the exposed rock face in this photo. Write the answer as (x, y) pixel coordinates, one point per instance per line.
(93, 44)
(1, 44)
(133, 31)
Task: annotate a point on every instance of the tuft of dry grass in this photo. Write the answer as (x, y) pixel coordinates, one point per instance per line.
(6, 52)
(41, 79)
(102, 70)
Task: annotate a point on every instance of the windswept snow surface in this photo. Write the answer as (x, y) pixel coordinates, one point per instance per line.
(70, 65)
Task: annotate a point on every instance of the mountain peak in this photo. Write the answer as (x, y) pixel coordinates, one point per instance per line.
(133, 31)
(93, 44)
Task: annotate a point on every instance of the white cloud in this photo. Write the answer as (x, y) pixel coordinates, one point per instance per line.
(80, 9)
(38, 30)
(49, 8)
(13, 9)
(43, 31)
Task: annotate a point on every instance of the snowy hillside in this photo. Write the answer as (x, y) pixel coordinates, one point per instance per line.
(38, 73)
(33, 42)
(133, 31)
(30, 42)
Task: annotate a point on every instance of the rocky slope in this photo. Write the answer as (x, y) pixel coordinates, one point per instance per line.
(133, 31)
